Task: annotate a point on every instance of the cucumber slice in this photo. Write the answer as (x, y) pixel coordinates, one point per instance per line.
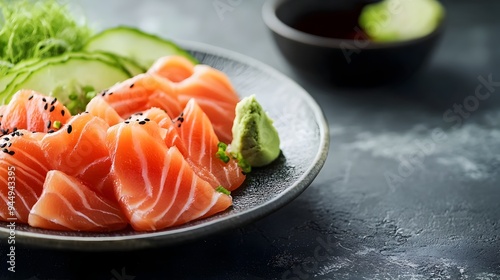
(10, 83)
(130, 65)
(135, 44)
(68, 75)
(18, 69)
(396, 20)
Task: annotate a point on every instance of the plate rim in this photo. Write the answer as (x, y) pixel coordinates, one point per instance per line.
(180, 235)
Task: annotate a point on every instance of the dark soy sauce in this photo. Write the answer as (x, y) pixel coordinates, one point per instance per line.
(339, 24)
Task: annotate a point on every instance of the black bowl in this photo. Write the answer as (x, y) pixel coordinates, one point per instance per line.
(357, 61)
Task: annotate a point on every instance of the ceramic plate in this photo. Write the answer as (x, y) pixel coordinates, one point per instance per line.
(304, 134)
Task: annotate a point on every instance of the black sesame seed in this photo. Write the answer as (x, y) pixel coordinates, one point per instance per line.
(46, 106)
(70, 128)
(11, 153)
(49, 123)
(53, 101)
(62, 112)
(31, 97)
(50, 131)
(147, 119)
(110, 93)
(142, 122)
(132, 85)
(127, 122)
(5, 150)
(52, 108)
(44, 100)
(179, 125)
(3, 145)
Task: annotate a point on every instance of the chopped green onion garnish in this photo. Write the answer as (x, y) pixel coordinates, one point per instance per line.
(57, 124)
(73, 96)
(91, 94)
(88, 88)
(242, 163)
(221, 152)
(223, 190)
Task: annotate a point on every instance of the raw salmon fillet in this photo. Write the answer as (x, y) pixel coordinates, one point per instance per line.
(22, 155)
(155, 186)
(34, 112)
(210, 87)
(100, 108)
(67, 204)
(2, 110)
(198, 135)
(140, 93)
(170, 134)
(79, 149)
(173, 68)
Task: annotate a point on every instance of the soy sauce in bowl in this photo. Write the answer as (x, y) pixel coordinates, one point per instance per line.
(339, 24)
(322, 39)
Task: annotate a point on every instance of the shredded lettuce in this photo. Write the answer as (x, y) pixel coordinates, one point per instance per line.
(38, 29)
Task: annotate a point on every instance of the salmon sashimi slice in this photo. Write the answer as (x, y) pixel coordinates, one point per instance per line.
(79, 150)
(198, 135)
(140, 93)
(173, 68)
(2, 110)
(34, 112)
(215, 95)
(23, 168)
(170, 136)
(211, 88)
(100, 108)
(154, 184)
(68, 204)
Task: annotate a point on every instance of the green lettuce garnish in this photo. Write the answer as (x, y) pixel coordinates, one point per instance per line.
(38, 29)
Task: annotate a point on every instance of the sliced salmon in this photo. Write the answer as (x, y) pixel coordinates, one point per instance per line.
(173, 68)
(2, 110)
(211, 88)
(170, 134)
(140, 93)
(197, 133)
(155, 186)
(68, 204)
(23, 167)
(34, 112)
(79, 149)
(100, 108)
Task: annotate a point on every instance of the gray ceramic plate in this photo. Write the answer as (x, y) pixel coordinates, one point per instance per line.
(304, 134)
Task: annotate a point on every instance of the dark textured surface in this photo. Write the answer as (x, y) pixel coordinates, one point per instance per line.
(442, 221)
